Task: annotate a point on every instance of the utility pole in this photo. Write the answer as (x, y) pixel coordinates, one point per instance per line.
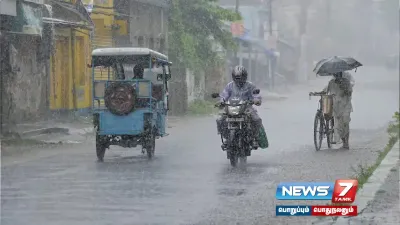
(237, 6)
(270, 16)
(271, 69)
(1, 83)
(237, 11)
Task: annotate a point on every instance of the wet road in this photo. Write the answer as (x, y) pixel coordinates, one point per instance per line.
(190, 181)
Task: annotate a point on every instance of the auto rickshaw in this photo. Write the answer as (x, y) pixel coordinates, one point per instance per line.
(129, 109)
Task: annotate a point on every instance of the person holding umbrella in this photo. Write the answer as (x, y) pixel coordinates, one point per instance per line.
(341, 87)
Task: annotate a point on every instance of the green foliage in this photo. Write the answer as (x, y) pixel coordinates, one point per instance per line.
(364, 172)
(194, 27)
(394, 127)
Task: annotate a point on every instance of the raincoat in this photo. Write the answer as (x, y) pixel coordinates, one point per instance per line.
(342, 106)
(245, 92)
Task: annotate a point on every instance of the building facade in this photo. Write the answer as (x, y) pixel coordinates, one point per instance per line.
(125, 23)
(143, 23)
(103, 14)
(270, 59)
(256, 50)
(24, 62)
(42, 70)
(70, 79)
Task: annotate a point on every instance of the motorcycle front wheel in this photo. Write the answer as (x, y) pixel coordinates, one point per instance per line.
(233, 154)
(234, 159)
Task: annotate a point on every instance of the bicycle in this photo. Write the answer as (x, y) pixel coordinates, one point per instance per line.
(323, 121)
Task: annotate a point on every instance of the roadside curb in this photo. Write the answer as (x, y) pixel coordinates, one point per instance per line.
(371, 187)
(36, 132)
(33, 134)
(374, 183)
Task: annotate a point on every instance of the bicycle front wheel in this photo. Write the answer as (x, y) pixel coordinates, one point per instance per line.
(319, 130)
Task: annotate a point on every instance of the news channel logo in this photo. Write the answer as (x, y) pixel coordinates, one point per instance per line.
(340, 191)
(316, 210)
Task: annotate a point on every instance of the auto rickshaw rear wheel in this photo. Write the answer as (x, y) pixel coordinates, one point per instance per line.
(101, 146)
(120, 98)
(150, 144)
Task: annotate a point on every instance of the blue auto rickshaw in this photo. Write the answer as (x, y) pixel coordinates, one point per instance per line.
(130, 98)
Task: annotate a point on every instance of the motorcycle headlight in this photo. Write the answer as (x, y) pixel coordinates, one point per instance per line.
(233, 110)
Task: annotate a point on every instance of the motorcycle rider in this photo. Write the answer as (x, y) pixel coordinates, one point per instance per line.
(241, 88)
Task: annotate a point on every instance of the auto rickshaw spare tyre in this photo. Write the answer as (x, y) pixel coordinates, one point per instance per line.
(120, 98)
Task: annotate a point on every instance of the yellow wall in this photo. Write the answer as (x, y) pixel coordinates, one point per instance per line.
(106, 12)
(69, 71)
(83, 75)
(102, 19)
(73, 53)
(60, 70)
(102, 39)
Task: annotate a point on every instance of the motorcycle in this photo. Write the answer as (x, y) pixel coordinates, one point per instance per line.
(236, 128)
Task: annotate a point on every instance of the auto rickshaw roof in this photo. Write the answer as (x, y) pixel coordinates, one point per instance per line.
(127, 51)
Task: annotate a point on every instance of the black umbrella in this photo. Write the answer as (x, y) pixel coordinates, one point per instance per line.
(335, 64)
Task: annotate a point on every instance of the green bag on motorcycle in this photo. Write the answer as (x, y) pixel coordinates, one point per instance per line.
(263, 139)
